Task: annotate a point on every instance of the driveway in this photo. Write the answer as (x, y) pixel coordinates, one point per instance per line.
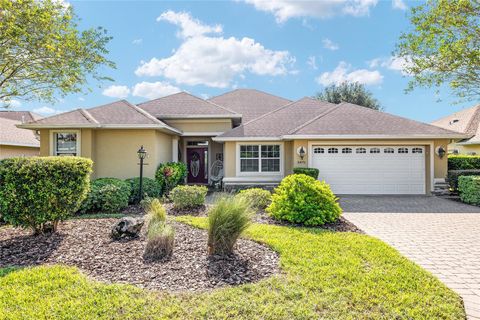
(442, 236)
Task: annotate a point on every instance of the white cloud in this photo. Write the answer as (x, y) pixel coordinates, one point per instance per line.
(15, 103)
(287, 9)
(189, 27)
(81, 98)
(46, 111)
(214, 61)
(312, 62)
(153, 90)
(137, 41)
(399, 4)
(392, 63)
(115, 91)
(204, 96)
(342, 73)
(329, 44)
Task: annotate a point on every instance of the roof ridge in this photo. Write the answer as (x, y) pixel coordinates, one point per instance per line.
(401, 117)
(473, 122)
(88, 116)
(269, 113)
(454, 113)
(143, 112)
(260, 91)
(332, 108)
(159, 98)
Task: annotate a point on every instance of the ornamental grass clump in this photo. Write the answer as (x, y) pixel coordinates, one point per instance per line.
(160, 236)
(227, 220)
(302, 199)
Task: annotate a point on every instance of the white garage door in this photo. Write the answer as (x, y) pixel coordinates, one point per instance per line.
(371, 169)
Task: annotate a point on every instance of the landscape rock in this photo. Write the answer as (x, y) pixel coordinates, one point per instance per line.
(127, 227)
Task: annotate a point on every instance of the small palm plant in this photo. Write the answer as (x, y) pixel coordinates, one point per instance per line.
(227, 220)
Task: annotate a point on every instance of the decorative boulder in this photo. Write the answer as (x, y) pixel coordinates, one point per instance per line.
(127, 227)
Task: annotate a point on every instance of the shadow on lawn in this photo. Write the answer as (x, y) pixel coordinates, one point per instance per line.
(25, 250)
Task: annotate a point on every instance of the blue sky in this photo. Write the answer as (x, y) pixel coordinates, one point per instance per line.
(291, 49)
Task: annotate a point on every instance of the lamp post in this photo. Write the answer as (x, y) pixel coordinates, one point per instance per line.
(142, 153)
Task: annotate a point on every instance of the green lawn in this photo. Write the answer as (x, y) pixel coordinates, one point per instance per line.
(324, 275)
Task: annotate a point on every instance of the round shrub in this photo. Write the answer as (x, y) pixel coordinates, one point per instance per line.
(107, 195)
(39, 192)
(150, 188)
(170, 174)
(312, 172)
(257, 197)
(304, 200)
(188, 196)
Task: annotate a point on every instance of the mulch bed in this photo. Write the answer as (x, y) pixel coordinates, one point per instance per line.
(341, 225)
(86, 244)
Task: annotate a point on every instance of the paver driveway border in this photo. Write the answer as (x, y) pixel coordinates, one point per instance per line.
(442, 236)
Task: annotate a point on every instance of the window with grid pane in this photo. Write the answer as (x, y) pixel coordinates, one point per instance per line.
(65, 144)
(249, 156)
(270, 158)
(260, 158)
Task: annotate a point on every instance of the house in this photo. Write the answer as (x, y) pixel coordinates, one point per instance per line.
(466, 121)
(16, 142)
(259, 138)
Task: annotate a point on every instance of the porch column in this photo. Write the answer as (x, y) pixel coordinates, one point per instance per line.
(175, 149)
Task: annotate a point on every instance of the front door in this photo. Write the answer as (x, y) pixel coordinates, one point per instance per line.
(197, 165)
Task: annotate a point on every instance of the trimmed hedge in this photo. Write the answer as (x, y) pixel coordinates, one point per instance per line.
(150, 188)
(39, 192)
(469, 189)
(463, 162)
(304, 200)
(188, 196)
(312, 172)
(170, 174)
(453, 175)
(108, 195)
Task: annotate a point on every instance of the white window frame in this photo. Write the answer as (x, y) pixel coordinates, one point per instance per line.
(259, 173)
(53, 144)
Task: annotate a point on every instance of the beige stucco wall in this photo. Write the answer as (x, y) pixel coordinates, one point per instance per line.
(201, 125)
(291, 159)
(114, 151)
(18, 151)
(465, 149)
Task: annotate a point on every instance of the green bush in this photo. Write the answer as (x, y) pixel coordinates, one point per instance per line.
(312, 172)
(303, 199)
(257, 197)
(188, 196)
(463, 162)
(39, 192)
(453, 175)
(227, 220)
(170, 174)
(107, 195)
(150, 188)
(469, 189)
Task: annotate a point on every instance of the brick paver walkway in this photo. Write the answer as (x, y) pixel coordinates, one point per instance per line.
(440, 235)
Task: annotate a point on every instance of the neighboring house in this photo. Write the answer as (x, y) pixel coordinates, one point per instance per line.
(466, 121)
(259, 137)
(16, 142)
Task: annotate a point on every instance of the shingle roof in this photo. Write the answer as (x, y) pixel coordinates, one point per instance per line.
(466, 121)
(249, 103)
(119, 113)
(311, 117)
(11, 135)
(183, 105)
(25, 116)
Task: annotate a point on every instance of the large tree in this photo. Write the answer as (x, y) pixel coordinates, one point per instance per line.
(43, 55)
(352, 92)
(443, 47)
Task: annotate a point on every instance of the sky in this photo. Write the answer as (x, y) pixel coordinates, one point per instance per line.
(288, 48)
